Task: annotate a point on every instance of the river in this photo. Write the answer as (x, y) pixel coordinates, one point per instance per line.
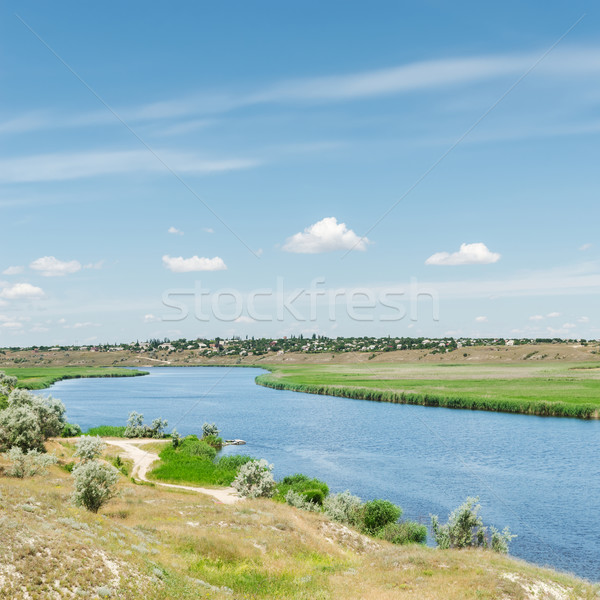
(540, 476)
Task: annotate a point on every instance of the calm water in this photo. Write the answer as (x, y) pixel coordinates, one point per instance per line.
(539, 476)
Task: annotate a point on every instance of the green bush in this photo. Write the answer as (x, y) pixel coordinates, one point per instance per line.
(376, 514)
(301, 484)
(406, 532)
(314, 496)
(214, 441)
(71, 430)
(68, 467)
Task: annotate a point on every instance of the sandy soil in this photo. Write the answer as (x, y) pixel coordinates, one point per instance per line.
(143, 459)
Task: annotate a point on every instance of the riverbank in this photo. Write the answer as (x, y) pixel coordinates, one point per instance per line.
(38, 378)
(556, 389)
(160, 543)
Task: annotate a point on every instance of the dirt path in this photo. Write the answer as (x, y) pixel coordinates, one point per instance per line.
(143, 459)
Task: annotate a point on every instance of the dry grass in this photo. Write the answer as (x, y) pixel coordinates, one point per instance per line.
(542, 353)
(156, 544)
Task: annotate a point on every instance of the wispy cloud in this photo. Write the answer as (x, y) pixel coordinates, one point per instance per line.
(96, 265)
(174, 231)
(564, 62)
(326, 235)
(67, 166)
(469, 254)
(16, 270)
(195, 263)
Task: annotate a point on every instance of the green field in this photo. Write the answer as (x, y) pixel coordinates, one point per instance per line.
(196, 462)
(38, 378)
(549, 389)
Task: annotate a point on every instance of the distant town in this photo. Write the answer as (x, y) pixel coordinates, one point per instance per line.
(316, 344)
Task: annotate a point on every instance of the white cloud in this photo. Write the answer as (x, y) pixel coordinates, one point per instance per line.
(178, 264)
(39, 329)
(208, 230)
(469, 254)
(583, 320)
(12, 325)
(174, 231)
(21, 291)
(150, 318)
(326, 235)
(12, 270)
(49, 266)
(481, 319)
(536, 318)
(62, 321)
(553, 315)
(585, 247)
(569, 325)
(259, 252)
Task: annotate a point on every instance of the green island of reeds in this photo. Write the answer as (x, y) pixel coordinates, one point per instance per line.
(549, 389)
(38, 378)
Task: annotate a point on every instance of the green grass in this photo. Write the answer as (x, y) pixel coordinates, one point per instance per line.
(38, 378)
(107, 431)
(558, 389)
(194, 461)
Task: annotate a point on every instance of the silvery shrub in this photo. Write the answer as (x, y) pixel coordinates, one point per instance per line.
(175, 438)
(157, 429)
(465, 529)
(135, 425)
(28, 464)
(299, 501)
(29, 420)
(210, 429)
(94, 484)
(343, 508)
(255, 479)
(89, 447)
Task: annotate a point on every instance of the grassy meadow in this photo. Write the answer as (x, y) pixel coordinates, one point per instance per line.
(38, 378)
(547, 389)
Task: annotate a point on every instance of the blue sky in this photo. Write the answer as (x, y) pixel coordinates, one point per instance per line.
(258, 151)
